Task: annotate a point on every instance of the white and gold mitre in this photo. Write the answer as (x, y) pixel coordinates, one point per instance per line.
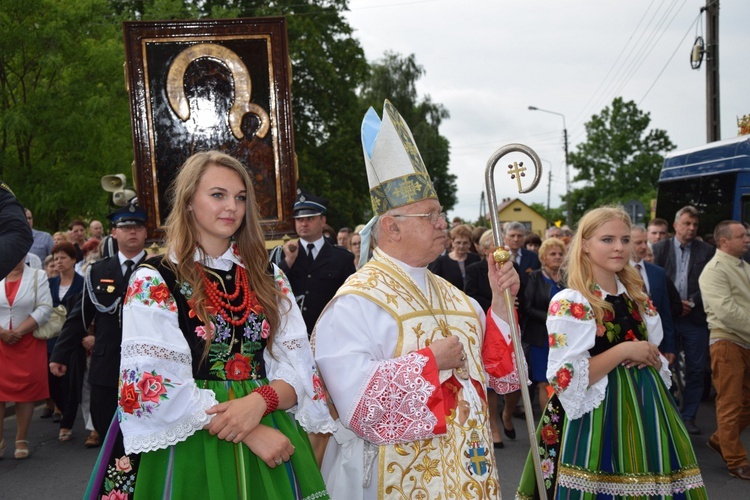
(395, 170)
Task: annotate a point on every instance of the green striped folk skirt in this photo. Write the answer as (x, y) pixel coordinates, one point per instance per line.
(634, 445)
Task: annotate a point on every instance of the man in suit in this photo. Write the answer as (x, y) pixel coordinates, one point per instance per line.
(658, 288)
(318, 268)
(683, 257)
(514, 234)
(101, 303)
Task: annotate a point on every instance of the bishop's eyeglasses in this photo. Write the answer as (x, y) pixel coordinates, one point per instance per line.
(432, 217)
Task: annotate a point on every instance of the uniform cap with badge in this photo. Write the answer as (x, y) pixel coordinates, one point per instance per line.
(308, 205)
(129, 215)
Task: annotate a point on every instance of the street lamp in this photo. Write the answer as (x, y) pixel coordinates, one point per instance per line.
(567, 169)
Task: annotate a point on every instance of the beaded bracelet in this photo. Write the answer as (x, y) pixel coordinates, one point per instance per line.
(270, 396)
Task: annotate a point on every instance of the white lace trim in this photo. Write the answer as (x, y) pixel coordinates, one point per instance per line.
(316, 495)
(393, 408)
(580, 398)
(293, 344)
(631, 485)
(175, 433)
(135, 350)
(510, 382)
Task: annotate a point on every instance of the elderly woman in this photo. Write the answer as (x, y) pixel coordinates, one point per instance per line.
(478, 288)
(452, 266)
(65, 289)
(541, 286)
(25, 303)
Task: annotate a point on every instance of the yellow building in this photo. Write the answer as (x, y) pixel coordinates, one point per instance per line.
(514, 210)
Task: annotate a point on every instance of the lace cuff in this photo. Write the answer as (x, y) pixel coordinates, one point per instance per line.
(507, 383)
(393, 407)
(665, 372)
(578, 398)
(175, 432)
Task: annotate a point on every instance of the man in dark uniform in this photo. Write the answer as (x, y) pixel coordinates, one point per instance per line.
(318, 269)
(15, 232)
(101, 303)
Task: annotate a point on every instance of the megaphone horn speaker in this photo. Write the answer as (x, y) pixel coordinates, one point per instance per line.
(112, 183)
(122, 197)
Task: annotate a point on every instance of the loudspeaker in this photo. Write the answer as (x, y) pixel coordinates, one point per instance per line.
(122, 197)
(112, 183)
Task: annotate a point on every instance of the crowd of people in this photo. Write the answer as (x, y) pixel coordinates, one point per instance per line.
(370, 362)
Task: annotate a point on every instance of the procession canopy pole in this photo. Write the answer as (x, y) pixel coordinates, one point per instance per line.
(516, 171)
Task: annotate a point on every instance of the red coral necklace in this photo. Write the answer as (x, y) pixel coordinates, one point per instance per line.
(222, 301)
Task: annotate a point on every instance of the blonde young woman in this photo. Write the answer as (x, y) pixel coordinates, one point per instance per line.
(611, 428)
(216, 374)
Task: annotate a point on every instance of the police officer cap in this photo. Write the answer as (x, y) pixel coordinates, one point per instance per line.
(308, 205)
(129, 215)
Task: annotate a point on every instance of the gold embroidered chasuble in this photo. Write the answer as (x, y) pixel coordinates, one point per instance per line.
(461, 462)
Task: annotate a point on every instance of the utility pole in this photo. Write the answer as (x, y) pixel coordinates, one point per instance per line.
(549, 187)
(568, 213)
(713, 118)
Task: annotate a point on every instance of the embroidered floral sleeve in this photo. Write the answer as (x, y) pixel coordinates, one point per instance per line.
(159, 402)
(393, 407)
(292, 362)
(572, 332)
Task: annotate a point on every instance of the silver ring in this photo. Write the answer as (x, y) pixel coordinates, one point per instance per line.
(278, 461)
(232, 436)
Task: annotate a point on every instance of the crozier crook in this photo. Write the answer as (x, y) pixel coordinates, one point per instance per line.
(516, 171)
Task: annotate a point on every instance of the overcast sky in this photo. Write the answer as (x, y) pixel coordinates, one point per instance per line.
(487, 61)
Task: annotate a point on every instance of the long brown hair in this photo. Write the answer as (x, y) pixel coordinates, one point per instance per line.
(577, 266)
(183, 238)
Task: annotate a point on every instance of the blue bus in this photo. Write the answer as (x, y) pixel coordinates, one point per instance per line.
(714, 178)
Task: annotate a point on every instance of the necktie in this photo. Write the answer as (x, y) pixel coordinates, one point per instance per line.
(310, 258)
(128, 270)
(638, 266)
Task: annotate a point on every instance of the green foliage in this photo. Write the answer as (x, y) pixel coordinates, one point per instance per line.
(620, 159)
(64, 108)
(394, 78)
(553, 214)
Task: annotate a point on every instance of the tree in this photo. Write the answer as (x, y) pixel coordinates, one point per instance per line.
(63, 106)
(553, 214)
(620, 159)
(394, 78)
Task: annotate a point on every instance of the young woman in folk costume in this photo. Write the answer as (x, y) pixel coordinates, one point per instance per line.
(611, 430)
(217, 373)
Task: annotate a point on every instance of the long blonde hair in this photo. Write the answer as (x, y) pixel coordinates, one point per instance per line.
(578, 269)
(182, 239)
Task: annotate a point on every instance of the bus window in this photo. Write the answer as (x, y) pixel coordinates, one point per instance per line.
(713, 196)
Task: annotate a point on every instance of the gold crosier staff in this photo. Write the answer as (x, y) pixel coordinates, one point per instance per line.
(516, 171)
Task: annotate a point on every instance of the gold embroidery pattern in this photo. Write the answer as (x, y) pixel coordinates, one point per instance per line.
(442, 467)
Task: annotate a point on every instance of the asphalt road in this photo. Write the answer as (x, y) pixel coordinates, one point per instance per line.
(61, 470)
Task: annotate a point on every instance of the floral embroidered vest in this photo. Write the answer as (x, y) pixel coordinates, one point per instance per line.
(462, 460)
(236, 352)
